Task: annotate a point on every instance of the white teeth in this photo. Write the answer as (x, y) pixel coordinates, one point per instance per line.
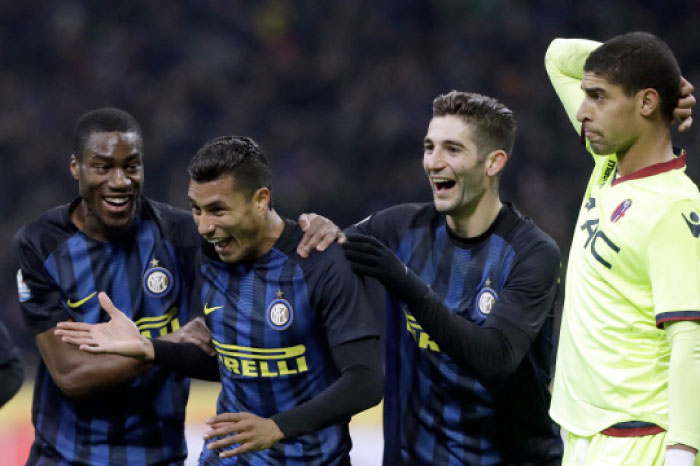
(117, 200)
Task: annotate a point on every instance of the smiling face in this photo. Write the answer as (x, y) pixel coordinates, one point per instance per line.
(451, 159)
(227, 218)
(110, 176)
(608, 116)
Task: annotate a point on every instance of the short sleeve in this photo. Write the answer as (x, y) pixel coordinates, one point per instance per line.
(674, 264)
(340, 298)
(528, 296)
(39, 295)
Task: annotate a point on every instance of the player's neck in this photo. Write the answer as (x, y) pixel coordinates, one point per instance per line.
(88, 223)
(652, 147)
(479, 219)
(273, 226)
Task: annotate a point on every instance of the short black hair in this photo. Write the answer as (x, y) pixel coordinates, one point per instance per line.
(493, 122)
(102, 120)
(238, 156)
(636, 61)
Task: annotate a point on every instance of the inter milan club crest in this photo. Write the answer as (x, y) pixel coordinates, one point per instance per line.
(157, 281)
(486, 298)
(620, 210)
(279, 313)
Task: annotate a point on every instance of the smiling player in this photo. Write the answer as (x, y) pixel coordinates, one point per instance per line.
(105, 409)
(469, 321)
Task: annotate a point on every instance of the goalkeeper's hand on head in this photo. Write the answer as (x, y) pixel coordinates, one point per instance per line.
(368, 256)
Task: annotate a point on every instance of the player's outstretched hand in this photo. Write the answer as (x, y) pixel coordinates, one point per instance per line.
(319, 233)
(195, 331)
(684, 110)
(118, 336)
(248, 431)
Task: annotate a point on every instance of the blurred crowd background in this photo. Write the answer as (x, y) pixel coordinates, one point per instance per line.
(338, 93)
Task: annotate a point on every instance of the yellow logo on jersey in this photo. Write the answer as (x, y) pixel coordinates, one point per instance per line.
(153, 327)
(80, 302)
(422, 338)
(209, 310)
(262, 362)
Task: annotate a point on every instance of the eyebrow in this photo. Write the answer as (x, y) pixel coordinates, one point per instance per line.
(449, 142)
(211, 205)
(591, 90)
(110, 158)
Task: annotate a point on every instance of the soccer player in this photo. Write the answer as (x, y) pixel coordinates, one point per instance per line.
(469, 321)
(297, 350)
(106, 409)
(628, 364)
(11, 371)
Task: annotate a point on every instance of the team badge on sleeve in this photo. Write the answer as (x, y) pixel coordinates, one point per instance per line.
(693, 223)
(25, 294)
(279, 313)
(620, 210)
(157, 280)
(486, 299)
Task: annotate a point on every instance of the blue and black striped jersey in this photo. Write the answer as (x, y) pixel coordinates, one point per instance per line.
(436, 412)
(273, 322)
(149, 276)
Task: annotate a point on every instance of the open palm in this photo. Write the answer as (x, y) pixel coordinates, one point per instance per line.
(117, 336)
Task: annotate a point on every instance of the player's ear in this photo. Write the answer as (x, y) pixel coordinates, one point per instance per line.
(261, 200)
(74, 167)
(648, 101)
(495, 161)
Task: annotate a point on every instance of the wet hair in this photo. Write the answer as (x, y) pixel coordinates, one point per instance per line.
(238, 156)
(494, 123)
(102, 120)
(636, 61)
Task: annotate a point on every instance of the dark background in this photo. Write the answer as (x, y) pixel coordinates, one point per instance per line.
(338, 93)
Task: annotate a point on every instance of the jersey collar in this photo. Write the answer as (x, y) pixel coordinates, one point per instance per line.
(674, 164)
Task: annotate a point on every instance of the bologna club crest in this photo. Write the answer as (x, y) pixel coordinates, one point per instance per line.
(620, 210)
(279, 313)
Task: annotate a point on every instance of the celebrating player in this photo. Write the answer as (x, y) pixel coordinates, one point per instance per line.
(297, 350)
(474, 282)
(105, 409)
(628, 365)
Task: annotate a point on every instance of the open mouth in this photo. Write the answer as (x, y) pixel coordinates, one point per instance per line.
(443, 185)
(116, 204)
(221, 244)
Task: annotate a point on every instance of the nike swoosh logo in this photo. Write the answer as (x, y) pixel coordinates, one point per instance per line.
(209, 310)
(75, 304)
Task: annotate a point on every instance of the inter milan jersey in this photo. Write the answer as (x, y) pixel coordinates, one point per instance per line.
(436, 412)
(145, 274)
(273, 322)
